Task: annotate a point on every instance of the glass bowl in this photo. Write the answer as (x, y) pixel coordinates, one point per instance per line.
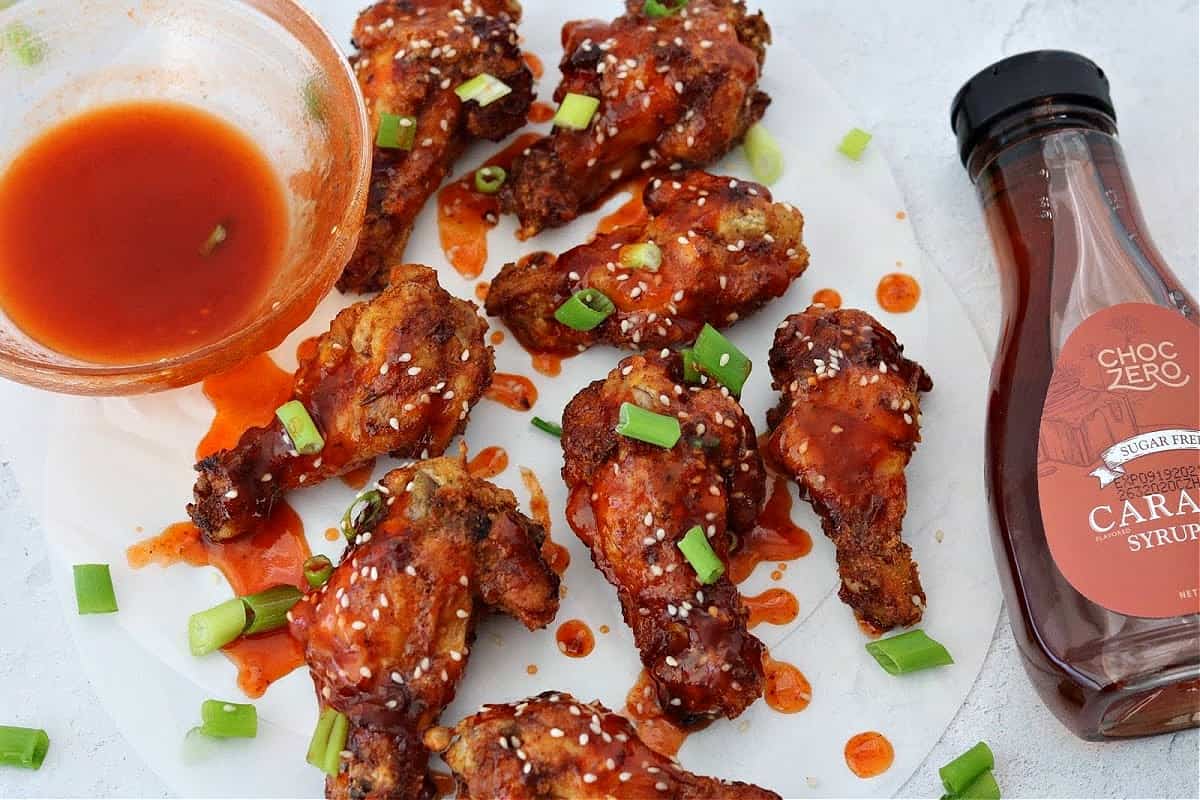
(263, 65)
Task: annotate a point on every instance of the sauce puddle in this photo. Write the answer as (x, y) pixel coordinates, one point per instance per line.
(898, 293)
(512, 391)
(785, 688)
(488, 463)
(358, 478)
(557, 557)
(632, 212)
(548, 364)
(830, 298)
(575, 639)
(774, 606)
(774, 538)
(244, 396)
(869, 754)
(660, 734)
(540, 112)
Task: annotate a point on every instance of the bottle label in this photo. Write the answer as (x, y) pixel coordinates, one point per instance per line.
(1119, 461)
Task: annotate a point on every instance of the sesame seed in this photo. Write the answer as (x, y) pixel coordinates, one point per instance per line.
(364, 671)
(556, 733)
(624, 776)
(358, 625)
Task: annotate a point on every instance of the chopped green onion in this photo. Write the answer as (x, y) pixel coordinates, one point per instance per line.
(365, 519)
(396, 132)
(657, 9)
(575, 112)
(982, 788)
(483, 89)
(854, 143)
(489, 179)
(959, 774)
(28, 46)
(218, 626)
(763, 153)
(23, 747)
(586, 309)
(721, 359)
(317, 570)
(643, 255)
(909, 652)
(700, 555)
(94, 590)
(300, 428)
(222, 720)
(320, 738)
(337, 742)
(267, 610)
(691, 371)
(214, 240)
(548, 427)
(646, 426)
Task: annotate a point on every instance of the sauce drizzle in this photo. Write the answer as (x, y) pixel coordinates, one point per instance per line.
(830, 298)
(632, 212)
(548, 364)
(358, 478)
(575, 639)
(540, 112)
(244, 396)
(774, 538)
(535, 65)
(642, 706)
(785, 689)
(488, 463)
(774, 606)
(512, 391)
(557, 557)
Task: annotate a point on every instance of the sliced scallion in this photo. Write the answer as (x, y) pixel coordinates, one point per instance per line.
(586, 309)
(23, 747)
(700, 555)
(854, 143)
(396, 132)
(267, 610)
(300, 428)
(636, 422)
(575, 112)
(657, 9)
(214, 240)
(363, 514)
(691, 371)
(642, 255)
(962, 771)
(549, 427)
(483, 89)
(490, 178)
(984, 787)
(94, 589)
(320, 738)
(763, 153)
(27, 46)
(909, 652)
(317, 570)
(335, 745)
(216, 627)
(721, 359)
(222, 720)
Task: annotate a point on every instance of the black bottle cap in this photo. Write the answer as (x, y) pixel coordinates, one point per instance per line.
(1024, 81)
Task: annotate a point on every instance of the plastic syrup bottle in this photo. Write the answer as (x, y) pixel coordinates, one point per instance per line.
(1093, 433)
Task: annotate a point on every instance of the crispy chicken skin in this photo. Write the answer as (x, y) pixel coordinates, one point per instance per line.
(845, 428)
(631, 502)
(411, 56)
(674, 92)
(397, 374)
(726, 250)
(387, 638)
(553, 746)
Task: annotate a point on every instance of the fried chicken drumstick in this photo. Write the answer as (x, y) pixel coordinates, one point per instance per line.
(412, 54)
(674, 92)
(397, 374)
(724, 249)
(631, 503)
(845, 428)
(553, 745)
(387, 638)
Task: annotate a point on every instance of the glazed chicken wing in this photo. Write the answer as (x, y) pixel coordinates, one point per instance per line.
(412, 54)
(631, 503)
(397, 374)
(387, 638)
(674, 92)
(724, 250)
(845, 429)
(553, 746)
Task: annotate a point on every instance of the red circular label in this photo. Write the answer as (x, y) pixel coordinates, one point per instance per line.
(1119, 461)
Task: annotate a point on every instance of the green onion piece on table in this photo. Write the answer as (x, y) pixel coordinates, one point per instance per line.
(317, 570)
(642, 255)
(575, 112)
(489, 179)
(962, 771)
(396, 132)
(300, 428)
(483, 89)
(982, 788)
(214, 240)
(586, 309)
(363, 514)
(93, 589)
(909, 652)
(218, 626)
(27, 46)
(720, 359)
(657, 9)
(763, 153)
(549, 427)
(23, 747)
(636, 422)
(700, 555)
(332, 758)
(691, 371)
(267, 610)
(222, 720)
(854, 143)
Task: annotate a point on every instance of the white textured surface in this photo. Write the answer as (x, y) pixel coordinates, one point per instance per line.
(899, 64)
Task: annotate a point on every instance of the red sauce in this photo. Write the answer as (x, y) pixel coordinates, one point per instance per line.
(532, 669)
(901, 215)
(828, 298)
(512, 391)
(868, 629)
(332, 534)
(631, 213)
(465, 215)
(575, 638)
(540, 112)
(774, 606)
(358, 478)
(557, 557)
(869, 754)
(489, 463)
(603, 629)
(535, 65)
(481, 290)
(786, 690)
(660, 734)
(135, 190)
(261, 660)
(775, 537)
(497, 337)
(898, 292)
(307, 349)
(443, 783)
(244, 396)
(548, 364)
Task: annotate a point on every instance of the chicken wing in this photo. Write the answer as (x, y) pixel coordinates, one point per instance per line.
(387, 638)
(412, 54)
(675, 91)
(397, 374)
(632, 502)
(725, 249)
(553, 745)
(845, 427)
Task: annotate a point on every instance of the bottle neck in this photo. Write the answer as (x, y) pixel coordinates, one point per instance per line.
(1025, 124)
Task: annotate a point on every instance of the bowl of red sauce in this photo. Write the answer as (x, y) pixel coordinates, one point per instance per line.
(181, 182)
